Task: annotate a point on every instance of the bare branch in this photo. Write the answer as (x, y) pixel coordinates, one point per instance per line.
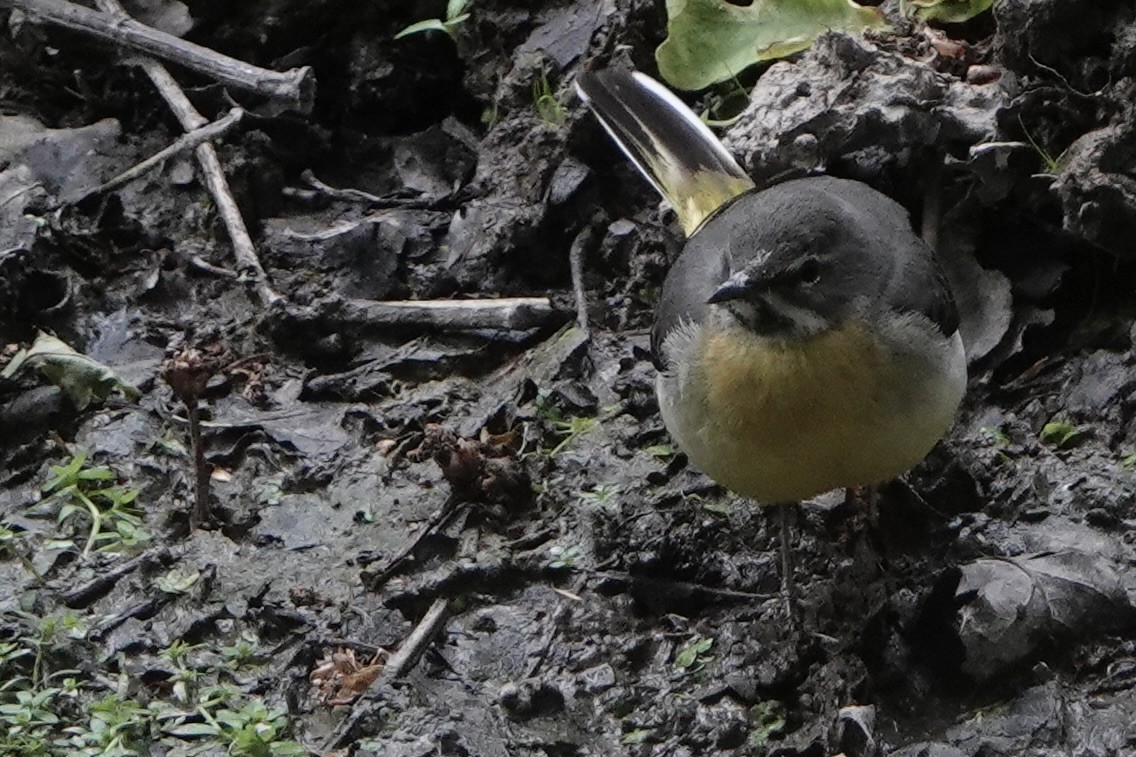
(444, 315)
(295, 87)
(243, 250)
(185, 143)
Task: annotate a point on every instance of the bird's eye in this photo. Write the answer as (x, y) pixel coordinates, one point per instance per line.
(809, 271)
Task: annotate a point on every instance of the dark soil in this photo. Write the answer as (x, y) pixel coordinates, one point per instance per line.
(984, 605)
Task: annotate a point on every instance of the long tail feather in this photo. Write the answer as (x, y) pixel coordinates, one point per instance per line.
(668, 143)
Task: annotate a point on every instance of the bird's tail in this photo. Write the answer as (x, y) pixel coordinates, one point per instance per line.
(667, 142)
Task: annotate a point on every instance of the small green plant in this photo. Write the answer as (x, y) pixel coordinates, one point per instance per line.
(241, 653)
(637, 736)
(177, 581)
(491, 115)
(32, 696)
(1060, 435)
(55, 712)
(549, 105)
(601, 496)
(572, 429)
(563, 557)
(457, 12)
(115, 726)
(997, 435)
(242, 725)
(725, 104)
(1052, 165)
(768, 720)
(721, 507)
(84, 492)
(178, 652)
(692, 657)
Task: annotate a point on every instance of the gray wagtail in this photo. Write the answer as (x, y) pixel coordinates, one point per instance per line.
(805, 338)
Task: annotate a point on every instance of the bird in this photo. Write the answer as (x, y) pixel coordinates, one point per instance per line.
(806, 339)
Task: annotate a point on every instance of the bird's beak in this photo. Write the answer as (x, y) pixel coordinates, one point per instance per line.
(734, 288)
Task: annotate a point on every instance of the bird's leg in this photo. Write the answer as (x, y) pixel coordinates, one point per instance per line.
(788, 586)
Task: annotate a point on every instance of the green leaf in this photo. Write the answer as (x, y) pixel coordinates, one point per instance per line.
(710, 41)
(453, 23)
(193, 730)
(689, 655)
(767, 719)
(948, 11)
(638, 736)
(1059, 435)
(428, 25)
(455, 8)
(78, 376)
(177, 582)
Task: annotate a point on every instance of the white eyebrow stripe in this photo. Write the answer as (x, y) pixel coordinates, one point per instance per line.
(807, 321)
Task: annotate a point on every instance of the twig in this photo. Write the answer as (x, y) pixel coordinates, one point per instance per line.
(190, 119)
(397, 666)
(576, 263)
(216, 270)
(517, 313)
(355, 195)
(379, 201)
(200, 512)
(184, 143)
(375, 580)
(295, 87)
(147, 608)
(675, 588)
(88, 592)
(404, 658)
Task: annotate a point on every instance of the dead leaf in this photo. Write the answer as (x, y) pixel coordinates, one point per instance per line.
(340, 679)
(1018, 604)
(78, 376)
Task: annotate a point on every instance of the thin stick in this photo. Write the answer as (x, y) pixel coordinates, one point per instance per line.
(84, 594)
(216, 270)
(415, 645)
(397, 666)
(295, 87)
(505, 313)
(376, 580)
(243, 249)
(184, 143)
(788, 584)
(200, 512)
(576, 264)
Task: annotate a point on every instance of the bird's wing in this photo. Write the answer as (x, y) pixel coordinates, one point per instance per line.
(668, 143)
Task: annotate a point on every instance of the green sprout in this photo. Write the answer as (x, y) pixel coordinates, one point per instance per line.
(1052, 164)
(637, 736)
(85, 492)
(692, 657)
(601, 496)
(768, 720)
(1060, 435)
(243, 652)
(572, 429)
(563, 557)
(457, 11)
(549, 106)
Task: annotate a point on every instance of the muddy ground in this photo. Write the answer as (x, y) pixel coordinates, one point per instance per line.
(603, 597)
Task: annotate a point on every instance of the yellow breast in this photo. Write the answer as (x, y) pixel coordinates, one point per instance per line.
(782, 421)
